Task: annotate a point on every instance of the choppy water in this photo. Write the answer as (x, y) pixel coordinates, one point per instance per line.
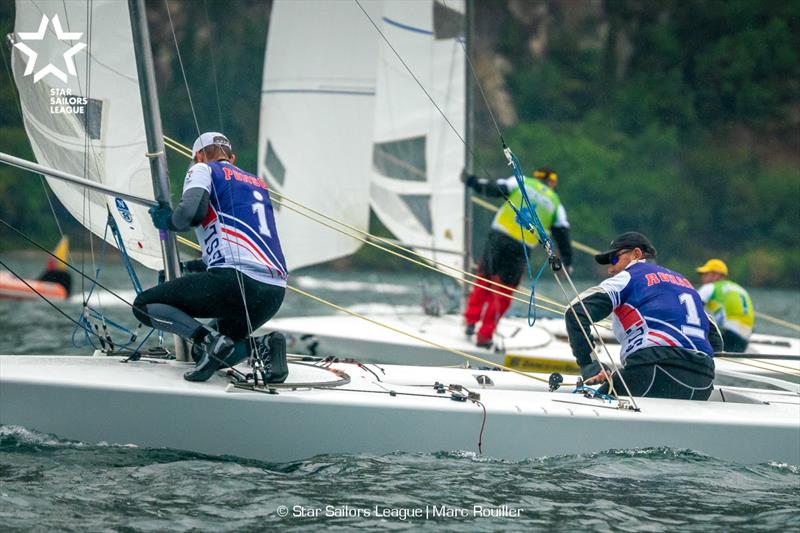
(47, 483)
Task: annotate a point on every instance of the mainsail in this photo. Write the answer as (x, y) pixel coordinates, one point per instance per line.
(316, 121)
(417, 158)
(83, 114)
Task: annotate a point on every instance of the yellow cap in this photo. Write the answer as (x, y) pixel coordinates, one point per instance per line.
(714, 265)
(546, 173)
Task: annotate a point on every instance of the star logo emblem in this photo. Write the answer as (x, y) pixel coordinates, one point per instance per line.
(32, 56)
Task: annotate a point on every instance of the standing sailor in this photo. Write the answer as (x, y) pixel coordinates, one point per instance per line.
(728, 303)
(242, 277)
(666, 339)
(504, 256)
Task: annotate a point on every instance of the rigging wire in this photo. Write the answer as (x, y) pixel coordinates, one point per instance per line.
(87, 145)
(529, 219)
(77, 324)
(477, 82)
(68, 264)
(594, 251)
(43, 297)
(526, 222)
(178, 147)
(369, 239)
(180, 63)
(422, 87)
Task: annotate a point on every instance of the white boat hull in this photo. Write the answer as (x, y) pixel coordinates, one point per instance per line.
(149, 404)
(541, 348)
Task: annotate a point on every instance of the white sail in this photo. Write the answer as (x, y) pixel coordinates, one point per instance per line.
(316, 121)
(417, 159)
(83, 113)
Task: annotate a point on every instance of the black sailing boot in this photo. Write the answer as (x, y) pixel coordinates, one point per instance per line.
(277, 358)
(214, 348)
(271, 350)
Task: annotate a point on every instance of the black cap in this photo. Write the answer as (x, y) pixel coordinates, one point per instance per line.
(627, 241)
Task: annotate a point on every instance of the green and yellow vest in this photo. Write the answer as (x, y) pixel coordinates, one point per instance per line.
(731, 307)
(547, 203)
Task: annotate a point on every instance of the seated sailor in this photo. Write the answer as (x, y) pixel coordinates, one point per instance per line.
(666, 338)
(729, 304)
(243, 272)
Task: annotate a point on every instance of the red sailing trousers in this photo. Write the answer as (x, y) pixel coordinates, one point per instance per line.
(487, 307)
(503, 262)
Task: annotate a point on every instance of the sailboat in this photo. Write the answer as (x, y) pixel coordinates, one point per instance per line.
(324, 407)
(402, 158)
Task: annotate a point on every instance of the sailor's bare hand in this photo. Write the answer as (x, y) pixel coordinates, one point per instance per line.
(597, 378)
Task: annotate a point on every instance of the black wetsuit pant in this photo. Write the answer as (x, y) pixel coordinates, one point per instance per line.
(733, 341)
(215, 293)
(504, 258)
(665, 372)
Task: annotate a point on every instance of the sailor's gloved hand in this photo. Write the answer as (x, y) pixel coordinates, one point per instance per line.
(470, 180)
(196, 265)
(161, 215)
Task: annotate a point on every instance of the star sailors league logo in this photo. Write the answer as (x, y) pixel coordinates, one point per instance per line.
(32, 56)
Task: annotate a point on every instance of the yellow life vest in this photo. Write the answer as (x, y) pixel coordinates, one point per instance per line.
(732, 308)
(546, 203)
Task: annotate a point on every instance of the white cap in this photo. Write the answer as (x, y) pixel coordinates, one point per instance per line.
(208, 138)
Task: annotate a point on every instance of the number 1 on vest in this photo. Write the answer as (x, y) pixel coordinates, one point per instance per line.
(263, 228)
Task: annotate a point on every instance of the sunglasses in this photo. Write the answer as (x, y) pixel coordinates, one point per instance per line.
(615, 257)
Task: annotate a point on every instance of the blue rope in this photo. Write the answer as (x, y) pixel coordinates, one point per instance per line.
(593, 392)
(526, 214)
(528, 220)
(531, 305)
(143, 341)
(84, 324)
(126, 260)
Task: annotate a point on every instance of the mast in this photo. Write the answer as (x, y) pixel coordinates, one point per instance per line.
(155, 143)
(469, 19)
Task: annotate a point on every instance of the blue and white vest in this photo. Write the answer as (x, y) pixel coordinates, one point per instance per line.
(239, 228)
(654, 306)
